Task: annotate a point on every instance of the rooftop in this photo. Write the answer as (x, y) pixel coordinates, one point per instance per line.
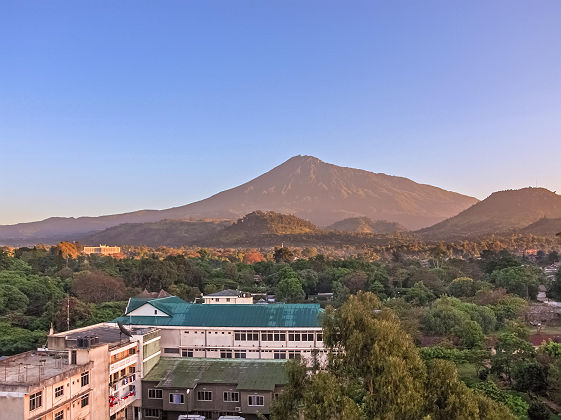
(181, 313)
(227, 292)
(32, 367)
(107, 333)
(257, 374)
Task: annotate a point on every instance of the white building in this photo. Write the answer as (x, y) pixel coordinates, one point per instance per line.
(229, 296)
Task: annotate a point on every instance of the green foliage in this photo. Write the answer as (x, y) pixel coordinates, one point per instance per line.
(419, 294)
(522, 281)
(453, 354)
(289, 290)
(15, 340)
(510, 350)
(514, 403)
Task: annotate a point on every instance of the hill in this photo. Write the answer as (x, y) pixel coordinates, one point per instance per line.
(174, 233)
(501, 212)
(544, 227)
(303, 185)
(366, 225)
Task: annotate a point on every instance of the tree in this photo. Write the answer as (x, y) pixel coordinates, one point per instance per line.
(283, 254)
(470, 334)
(462, 287)
(529, 376)
(419, 294)
(510, 350)
(522, 281)
(355, 281)
(96, 287)
(289, 290)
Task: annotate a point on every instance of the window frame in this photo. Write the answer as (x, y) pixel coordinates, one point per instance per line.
(35, 401)
(230, 397)
(171, 395)
(85, 400)
(204, 394)
(249, 400)
(57, 393)
(156, 391)
(85, 379)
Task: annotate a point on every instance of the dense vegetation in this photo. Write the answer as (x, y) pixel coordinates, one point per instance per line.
(455, 311)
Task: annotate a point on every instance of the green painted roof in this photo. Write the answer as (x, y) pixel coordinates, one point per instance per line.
(249, 375)
(277, 315)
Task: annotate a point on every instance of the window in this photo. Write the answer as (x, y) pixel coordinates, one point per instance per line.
(187, 353)
(230, 396)
(240, 354)
(319, 337)
(280, 355)
(267, 336)
(123, 372)
(151, 412)
(280, 336)
(226, 354)
(155, 312)
(85, 400)
(155, 394)
(59, 415)
(227, 299)
(254, 400)
(176, 399)
(294, 355)
(59, 391)
(294, 336)
(132, 369)
(171, 350)
(35, 401)
(85, 378)
(204, 395)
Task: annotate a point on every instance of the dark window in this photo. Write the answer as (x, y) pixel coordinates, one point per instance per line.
(176, 399)
(59, 391)
(187, 353)
(319, 337)
(255, 400)
(204, 395)
(35, 401)
(280, 355)
(155, 394)
(240, 354)
(151, 412)
(59, 415)
(230, 396)
(171, 350)
(226, 354)
(85, 400)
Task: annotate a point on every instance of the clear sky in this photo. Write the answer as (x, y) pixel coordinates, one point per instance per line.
(111, 106)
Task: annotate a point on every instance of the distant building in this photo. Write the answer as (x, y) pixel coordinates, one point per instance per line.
(212, 388)
(229, 296)
(102, 249)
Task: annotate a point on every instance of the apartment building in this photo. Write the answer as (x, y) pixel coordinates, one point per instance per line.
(45, 385)
(231, 331)
(118, 359)
(211, 388)
(229, 296)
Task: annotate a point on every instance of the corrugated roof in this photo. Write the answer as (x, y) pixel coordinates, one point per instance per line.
(227, 292)
(249, 375)
(278, 315)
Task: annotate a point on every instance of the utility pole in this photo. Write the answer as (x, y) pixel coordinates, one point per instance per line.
(68, 313)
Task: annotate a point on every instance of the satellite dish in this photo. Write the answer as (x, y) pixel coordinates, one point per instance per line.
(124, 330)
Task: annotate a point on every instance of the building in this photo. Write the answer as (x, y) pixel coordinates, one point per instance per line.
(231, 331)
(211, 388)
(117, 358)
(230, 296)
(46, 385)
(102, 250)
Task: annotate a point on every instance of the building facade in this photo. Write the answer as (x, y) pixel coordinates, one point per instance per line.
(212, 388)
(229, 296)
(102, 250)
(231, 331)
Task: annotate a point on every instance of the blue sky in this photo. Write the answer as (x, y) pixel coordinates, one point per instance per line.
(114, 106)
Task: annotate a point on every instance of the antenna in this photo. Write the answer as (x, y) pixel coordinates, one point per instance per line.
(124, 330)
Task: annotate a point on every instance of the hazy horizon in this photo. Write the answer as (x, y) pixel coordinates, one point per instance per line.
(108, 108)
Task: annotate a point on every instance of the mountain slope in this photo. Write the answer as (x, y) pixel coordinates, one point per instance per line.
(503, 211)
(154, 234)
(366, 225)
(303, 185)
(544, 227)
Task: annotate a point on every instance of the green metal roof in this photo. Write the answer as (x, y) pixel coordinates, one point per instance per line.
(249, 375)
(277, 315)
(165, 304)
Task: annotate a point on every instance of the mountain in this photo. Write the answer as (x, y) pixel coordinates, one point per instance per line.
(366, 225)
(544, 227)
(501, 212)
(303, 185)
(174, 233)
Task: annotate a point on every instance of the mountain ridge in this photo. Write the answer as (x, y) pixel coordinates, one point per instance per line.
(303, 185)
